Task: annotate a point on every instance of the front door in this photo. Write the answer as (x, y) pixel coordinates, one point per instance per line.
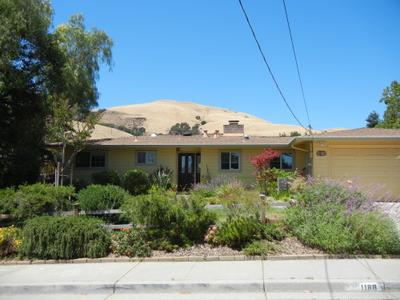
(189, 170)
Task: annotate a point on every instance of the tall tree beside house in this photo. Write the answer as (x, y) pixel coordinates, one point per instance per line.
(30, 65)
(391, 116)
(73, 121)
(37, 67)
(372, 120)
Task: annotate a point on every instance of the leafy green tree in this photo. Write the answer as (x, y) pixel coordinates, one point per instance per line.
(373, 119)
(391, 98)
(28, 60)
(72, 121)
(184, 128)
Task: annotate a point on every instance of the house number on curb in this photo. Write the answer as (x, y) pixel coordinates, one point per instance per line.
(370, 286)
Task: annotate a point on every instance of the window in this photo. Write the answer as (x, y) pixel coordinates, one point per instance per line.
(98, 160)
(230, 160)
(284, 161)
(86, 159)
(83, 160)
(145, 157)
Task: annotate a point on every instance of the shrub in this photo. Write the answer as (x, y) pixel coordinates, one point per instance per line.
(338, 218)
(168, 221)
(64, 238)
(38, 199)
(272, 232)
(10, 240)
(236, 232)
(132, 242)
(162, 178)
(106, 177)
(259, 248)
(136, 182)
(101, 197)
(7, 203)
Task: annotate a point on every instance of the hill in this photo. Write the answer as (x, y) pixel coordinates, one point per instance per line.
(158, 117)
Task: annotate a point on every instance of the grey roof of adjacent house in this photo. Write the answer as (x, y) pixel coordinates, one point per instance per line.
(359, 133)
(197, 140)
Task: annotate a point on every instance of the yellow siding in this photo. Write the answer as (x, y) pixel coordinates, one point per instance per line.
(376, 164)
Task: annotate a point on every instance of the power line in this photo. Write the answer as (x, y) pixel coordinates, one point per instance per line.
(297, 64)
(268, 66)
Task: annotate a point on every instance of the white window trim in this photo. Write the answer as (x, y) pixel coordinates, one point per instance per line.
(145, 164)
(230, 162)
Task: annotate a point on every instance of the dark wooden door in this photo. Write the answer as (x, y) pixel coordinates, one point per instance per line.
(189, 170)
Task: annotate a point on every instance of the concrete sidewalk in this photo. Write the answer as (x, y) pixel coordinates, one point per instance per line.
(363, 278)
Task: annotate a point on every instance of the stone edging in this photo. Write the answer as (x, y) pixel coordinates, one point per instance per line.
(192, 259)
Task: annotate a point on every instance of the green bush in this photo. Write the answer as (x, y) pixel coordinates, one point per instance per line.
(237, 231)
(101, 197)
(136, 182)
(35, 200)
(64, 238)
(162, 178)
(106, 177)
(132, 242)
(272, 232)
(259, 248)
(169, 222)
(338, 218)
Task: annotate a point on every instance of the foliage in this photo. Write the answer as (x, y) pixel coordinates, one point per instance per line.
(169, 221)
(372, 119)
(338, 218)
(271, 177)
(131, 242)
(28, 61)
(391, 98)
(64, 238)
(238, 230)
(162, 177)
(35, 200)
(184, 128)
(261, 163)
(209, 188)
(106, 177)
(136, 182)
(10, 240)
(259, 248)
(101, 197)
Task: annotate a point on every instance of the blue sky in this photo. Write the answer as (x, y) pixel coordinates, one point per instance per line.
(202, 51)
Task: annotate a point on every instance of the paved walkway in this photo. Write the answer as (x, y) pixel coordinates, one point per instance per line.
(285, 279)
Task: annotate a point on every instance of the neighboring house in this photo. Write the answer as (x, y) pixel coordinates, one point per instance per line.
(367, 155)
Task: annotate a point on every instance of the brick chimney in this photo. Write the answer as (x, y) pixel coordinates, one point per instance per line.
(234, 128)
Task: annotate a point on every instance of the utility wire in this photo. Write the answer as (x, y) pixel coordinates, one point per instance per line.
(268, 66)
(297, 65)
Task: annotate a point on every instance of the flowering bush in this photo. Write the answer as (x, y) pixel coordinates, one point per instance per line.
(261, 163)
(337, 217)
(10, 240)
(131, 242)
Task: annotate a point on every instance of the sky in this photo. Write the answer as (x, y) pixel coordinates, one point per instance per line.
(202, 51)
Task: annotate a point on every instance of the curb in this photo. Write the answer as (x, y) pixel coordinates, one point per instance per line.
(193, 259)
(299, 286)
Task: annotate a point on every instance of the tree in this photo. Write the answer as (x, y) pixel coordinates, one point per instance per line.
(72, 121)
(373, 119)
(391, 98)
(184, 128)
(29, 60)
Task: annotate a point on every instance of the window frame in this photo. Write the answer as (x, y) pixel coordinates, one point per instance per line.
(91, 154)
(281, 164)
(230, 161)
(145, 163)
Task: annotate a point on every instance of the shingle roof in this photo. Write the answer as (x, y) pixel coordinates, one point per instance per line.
(176, 140)
(360, 133)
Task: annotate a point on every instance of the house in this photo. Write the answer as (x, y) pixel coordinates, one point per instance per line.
(371, 156)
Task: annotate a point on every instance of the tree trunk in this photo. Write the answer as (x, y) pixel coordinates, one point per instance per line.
(63, 163)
